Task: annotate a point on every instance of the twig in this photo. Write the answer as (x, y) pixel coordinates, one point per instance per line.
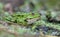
(9, 31)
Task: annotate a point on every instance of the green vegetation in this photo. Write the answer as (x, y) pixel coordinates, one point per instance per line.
(32, 21)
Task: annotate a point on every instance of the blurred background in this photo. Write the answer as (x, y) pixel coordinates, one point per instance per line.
(29, 18)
